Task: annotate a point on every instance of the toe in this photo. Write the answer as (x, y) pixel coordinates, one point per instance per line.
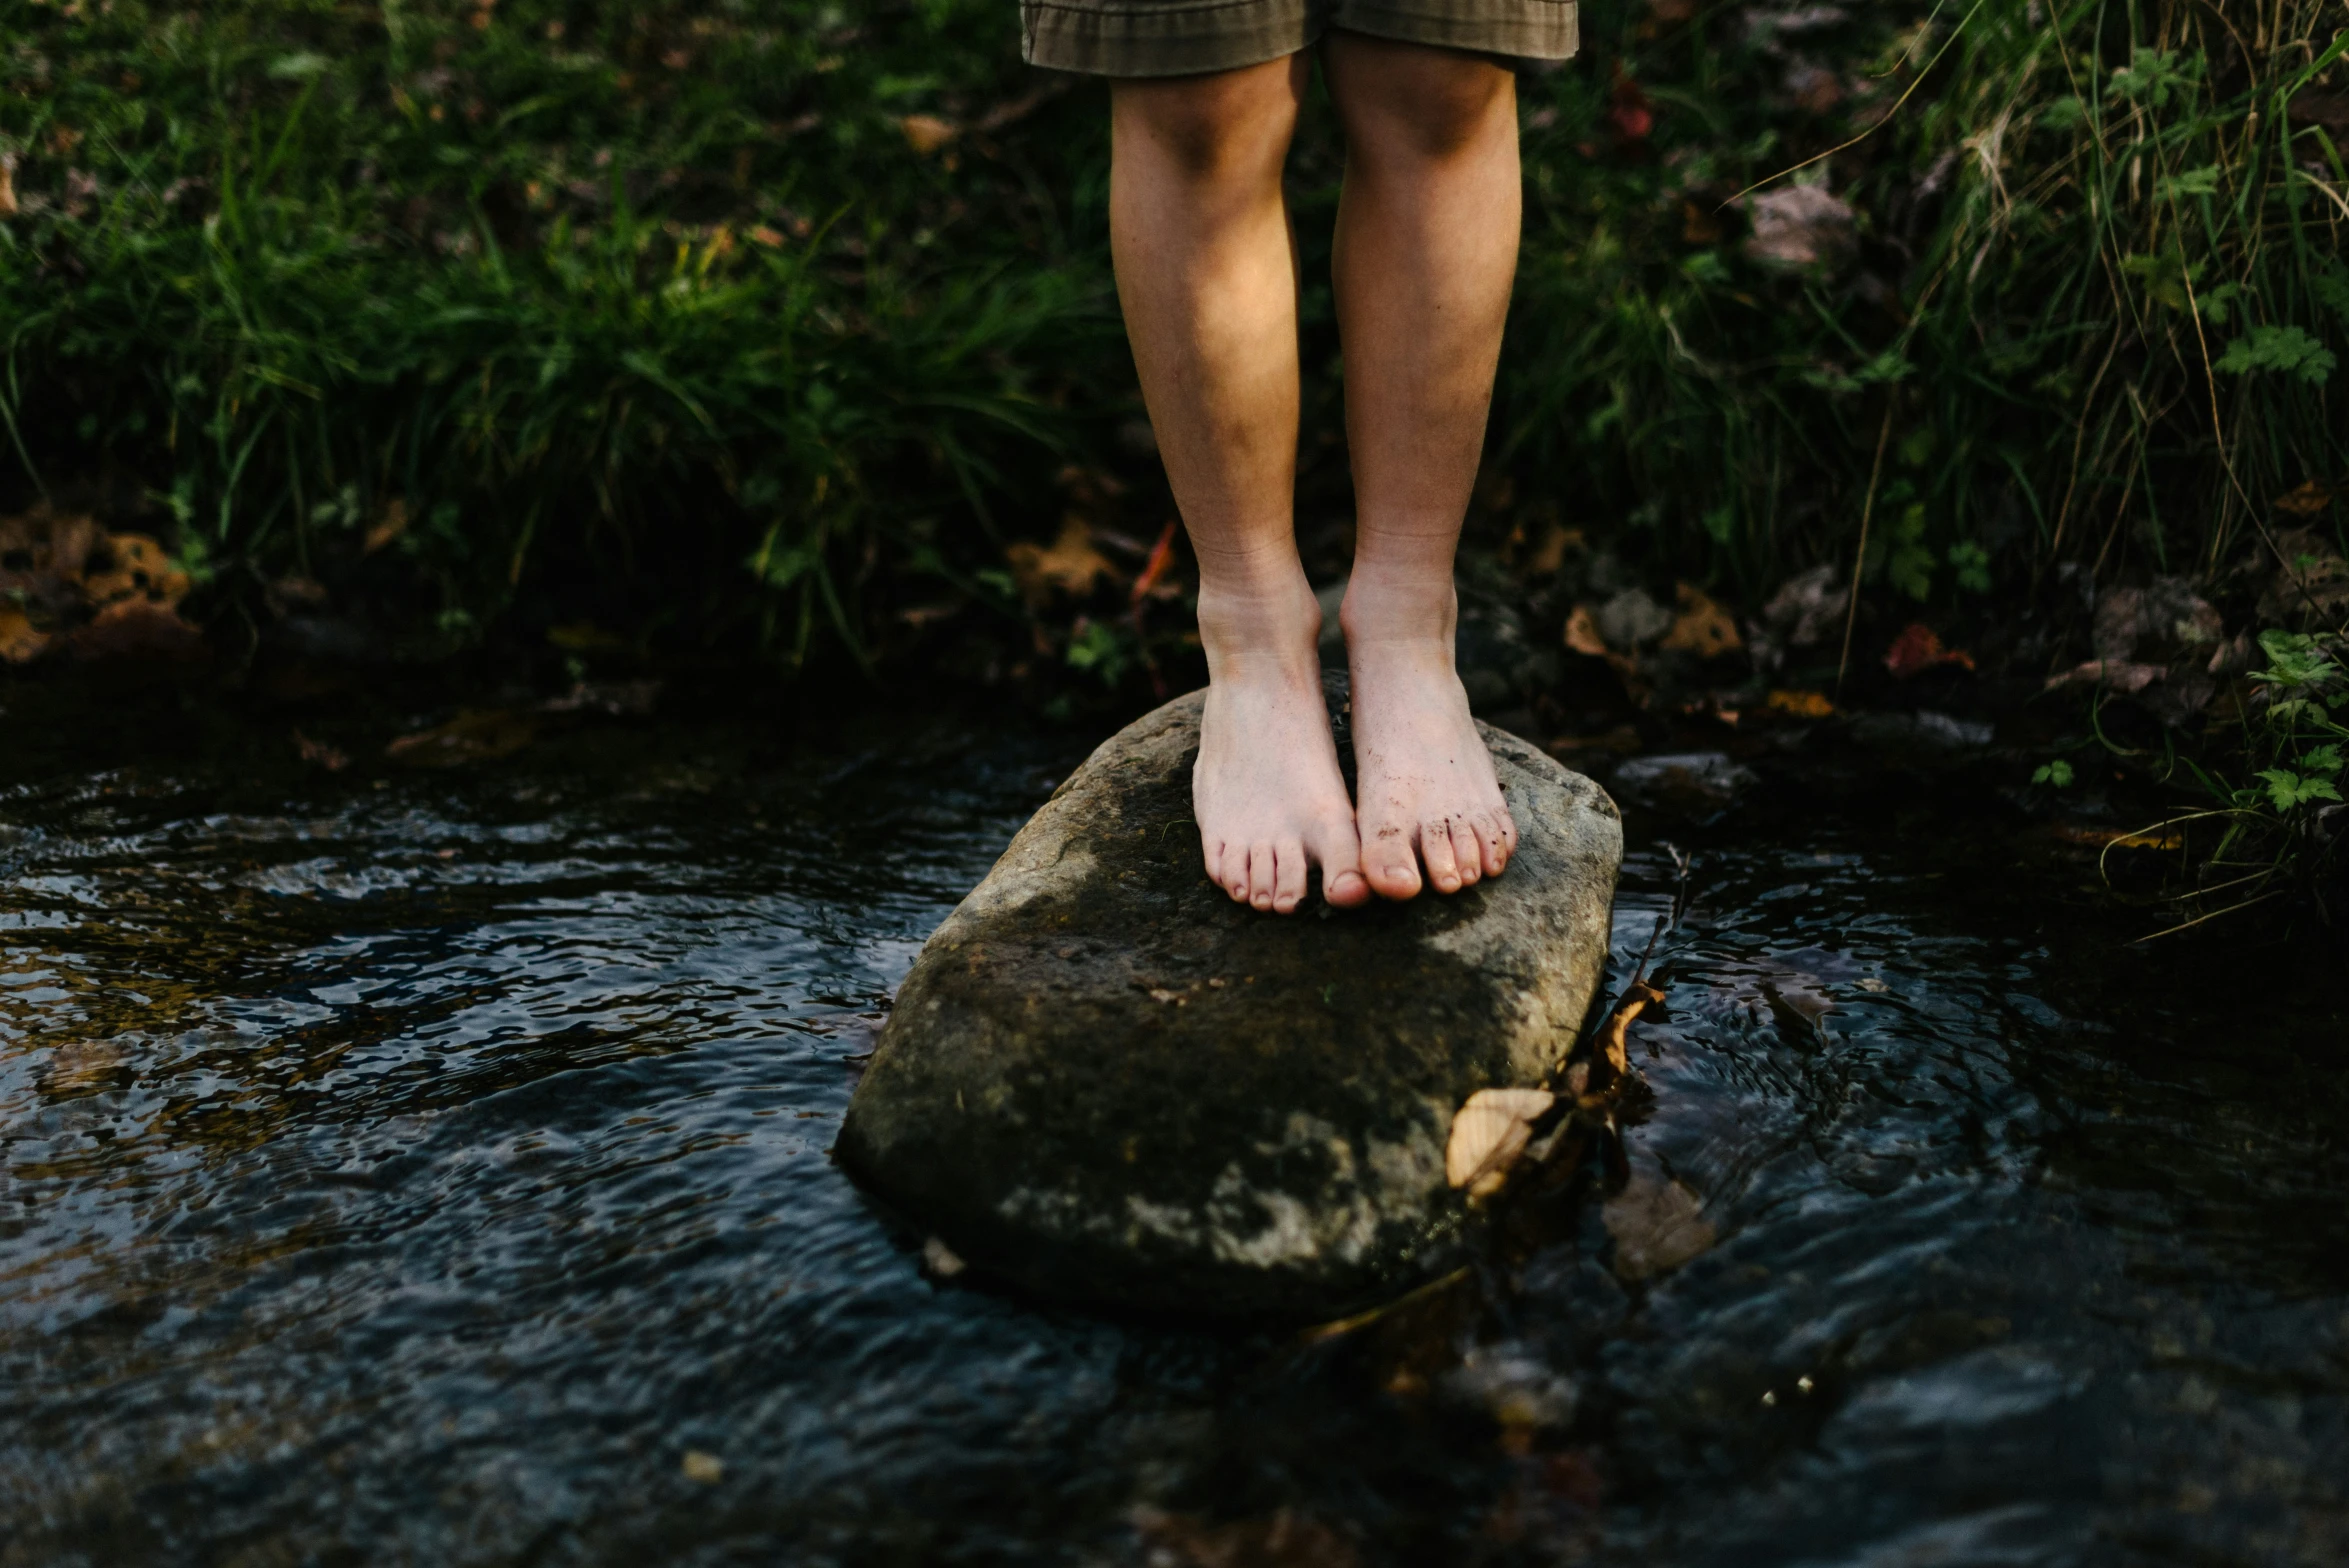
(1338, 852)
(1389, 865)
(1435, 847)
(1489, 846)
(1231, 871)
(1288, 888)
(1467, 851)
(1263, 872)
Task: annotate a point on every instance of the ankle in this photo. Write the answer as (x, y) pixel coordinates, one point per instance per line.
(1401, 609)
(1259, 624)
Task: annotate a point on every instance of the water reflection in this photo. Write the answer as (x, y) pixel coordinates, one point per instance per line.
(418, 1173)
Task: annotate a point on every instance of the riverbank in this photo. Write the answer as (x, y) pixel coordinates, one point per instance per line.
(575, 341)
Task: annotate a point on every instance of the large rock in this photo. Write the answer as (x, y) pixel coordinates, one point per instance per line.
(1104, 1080)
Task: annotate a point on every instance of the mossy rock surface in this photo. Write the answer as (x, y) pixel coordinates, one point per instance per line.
(1105, 1081)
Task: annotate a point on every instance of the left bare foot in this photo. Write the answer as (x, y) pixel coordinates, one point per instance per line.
(1425, 792)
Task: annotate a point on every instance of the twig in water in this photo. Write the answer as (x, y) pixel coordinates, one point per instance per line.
(1680, 864)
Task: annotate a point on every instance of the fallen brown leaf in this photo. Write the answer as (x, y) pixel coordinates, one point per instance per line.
(136, 629)
(1155, 569)
(20, 642)
(479, 735)
(2310, 499)
(1489, 1132)
(1070, 565)
(1919, 649)
(1611, 1054)
(7, 186)
(1550, 553)
(2312, 583)
(926, 133)
(332, 758)
(1700, 626)
(1801, 704)
(1582, 633)
(388, 527)
(132, 566)
(2119, 674)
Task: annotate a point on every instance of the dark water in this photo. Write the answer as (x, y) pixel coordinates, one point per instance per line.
(419, 1170)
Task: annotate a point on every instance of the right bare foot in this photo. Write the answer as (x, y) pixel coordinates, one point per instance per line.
(1266, 789)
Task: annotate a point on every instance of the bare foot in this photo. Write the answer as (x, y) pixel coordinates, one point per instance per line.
(1428, 794)
(1266, 789)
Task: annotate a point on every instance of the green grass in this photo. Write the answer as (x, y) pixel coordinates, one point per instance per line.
(654, 309)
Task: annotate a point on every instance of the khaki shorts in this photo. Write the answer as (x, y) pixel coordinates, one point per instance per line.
(1184, 37)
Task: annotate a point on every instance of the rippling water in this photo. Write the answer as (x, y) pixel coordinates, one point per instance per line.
(432, 1169)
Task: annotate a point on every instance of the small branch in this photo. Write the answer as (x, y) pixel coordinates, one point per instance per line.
(1851, 614)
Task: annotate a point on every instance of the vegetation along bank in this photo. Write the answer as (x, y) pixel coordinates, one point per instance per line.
(785, 330)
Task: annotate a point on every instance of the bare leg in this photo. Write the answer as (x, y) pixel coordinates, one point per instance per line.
(1426, 251)
(1206, 272)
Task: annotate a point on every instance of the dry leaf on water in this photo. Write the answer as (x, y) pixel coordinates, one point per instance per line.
(1612, 1048)
(472, 736)
(1071, 565)
(1488, 1134)
(707, 1469)
(1657, 1225)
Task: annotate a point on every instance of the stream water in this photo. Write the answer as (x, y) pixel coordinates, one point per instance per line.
(430, 1167)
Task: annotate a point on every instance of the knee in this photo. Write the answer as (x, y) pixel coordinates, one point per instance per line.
(1448, 107)
(1208, 128)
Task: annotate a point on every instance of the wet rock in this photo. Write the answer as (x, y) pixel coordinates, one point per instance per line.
(1923, 730)
(1691, 781)
(1632, 620)
(1105, 1081)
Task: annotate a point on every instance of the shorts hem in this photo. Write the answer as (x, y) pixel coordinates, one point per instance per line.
(1533, 35)
(1128, 39)
(1159, 40)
